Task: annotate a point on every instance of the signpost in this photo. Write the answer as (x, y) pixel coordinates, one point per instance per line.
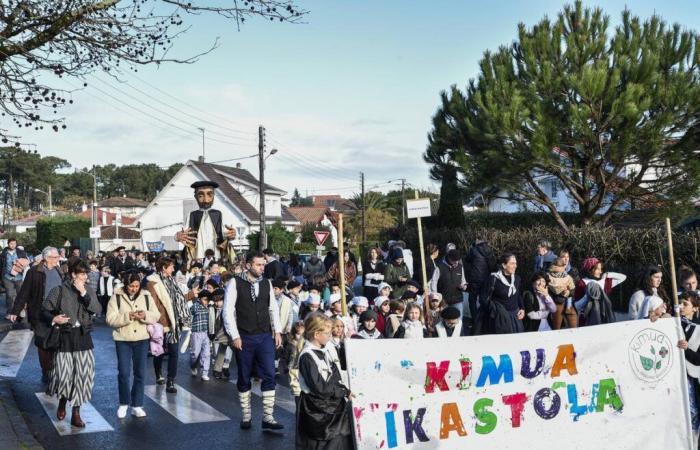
(415, 209)
(321, 237)
(95, 233)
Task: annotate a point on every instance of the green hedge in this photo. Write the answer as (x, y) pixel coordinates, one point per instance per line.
(279, 239)
(627, 251)
(54, 231)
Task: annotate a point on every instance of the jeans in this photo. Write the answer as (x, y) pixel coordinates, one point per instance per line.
(258, 350)
(171, 350)
(11, 289)
(201, 351)
(128, 354)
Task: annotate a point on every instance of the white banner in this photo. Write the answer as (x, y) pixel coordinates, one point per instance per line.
(618, 386)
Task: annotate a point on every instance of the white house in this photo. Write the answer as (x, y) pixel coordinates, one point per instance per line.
(123, 206)
(237, 198)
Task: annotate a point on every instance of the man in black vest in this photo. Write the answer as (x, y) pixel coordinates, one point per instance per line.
(449, 280)
(252, 322)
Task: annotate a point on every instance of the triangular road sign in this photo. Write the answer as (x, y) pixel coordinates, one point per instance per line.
(321, 236)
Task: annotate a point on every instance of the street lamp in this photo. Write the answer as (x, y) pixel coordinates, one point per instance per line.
(48, 194)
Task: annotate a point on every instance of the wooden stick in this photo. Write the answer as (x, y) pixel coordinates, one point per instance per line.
(672, 261)
(426, 300)
(341, 265)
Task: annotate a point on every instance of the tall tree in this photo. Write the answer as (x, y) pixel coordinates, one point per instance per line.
(42, 41)
(298, 200)
(450, 212)
(611, 116)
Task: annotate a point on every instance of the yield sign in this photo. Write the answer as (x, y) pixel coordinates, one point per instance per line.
(321, 236)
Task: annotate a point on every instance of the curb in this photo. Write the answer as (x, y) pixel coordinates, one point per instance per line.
(14, 433)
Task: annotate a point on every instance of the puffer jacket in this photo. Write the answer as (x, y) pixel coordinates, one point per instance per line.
(118, 309)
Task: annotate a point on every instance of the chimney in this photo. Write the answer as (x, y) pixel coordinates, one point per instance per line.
(238, 165)
(83, 208)
(200, 158)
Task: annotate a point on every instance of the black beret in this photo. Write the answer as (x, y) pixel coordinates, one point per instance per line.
(368, 315)
(450, 313)
(408, 295)
(279, 283)
(199, 184)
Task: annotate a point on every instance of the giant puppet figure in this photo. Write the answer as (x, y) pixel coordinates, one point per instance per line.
(205, 229)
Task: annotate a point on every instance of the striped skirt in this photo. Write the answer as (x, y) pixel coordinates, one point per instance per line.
(73, 376)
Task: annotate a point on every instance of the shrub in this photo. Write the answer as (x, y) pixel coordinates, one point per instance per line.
(55, 231)
(279, 239)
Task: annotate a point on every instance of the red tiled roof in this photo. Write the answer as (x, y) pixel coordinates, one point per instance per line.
(307, 214)
(111, 217)
(116, 202)
(110, 232)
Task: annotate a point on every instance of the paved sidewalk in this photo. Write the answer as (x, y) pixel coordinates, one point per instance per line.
(14, 433)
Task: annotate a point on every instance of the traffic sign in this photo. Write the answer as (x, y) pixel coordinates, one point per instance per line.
(321, 236)
(95, 232)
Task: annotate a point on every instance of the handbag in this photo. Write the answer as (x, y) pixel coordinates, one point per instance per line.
(52, 340)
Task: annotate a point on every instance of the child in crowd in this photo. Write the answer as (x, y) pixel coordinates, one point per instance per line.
(195, 277)
(450, 324)
(368, 326)
(436, 307)
(338, 334)
(413, 287)
(94, 276)
(561, 288)
(294, 348)
(393, 320)
(200, 344)
(690, 305)
(412, 326)
(382, 304)
(323, 415)
(313, 304)
(221, 347)
(384, 290)
(211, 285)
(105, 287)
(359, 305)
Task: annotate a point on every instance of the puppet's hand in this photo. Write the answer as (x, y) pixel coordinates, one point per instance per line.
(186, 236)
(230, 232)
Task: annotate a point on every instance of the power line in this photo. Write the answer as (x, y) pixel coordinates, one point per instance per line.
(228, 136)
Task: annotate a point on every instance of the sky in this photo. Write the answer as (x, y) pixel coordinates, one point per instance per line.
(353, 89)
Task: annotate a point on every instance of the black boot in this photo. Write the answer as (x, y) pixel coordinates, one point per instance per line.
(159, 377)
(226, 373)
(170, 386)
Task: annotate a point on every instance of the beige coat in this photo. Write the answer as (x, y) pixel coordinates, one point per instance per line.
(126, 329)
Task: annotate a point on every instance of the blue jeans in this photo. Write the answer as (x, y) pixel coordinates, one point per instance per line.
(129, 353)
(258, 349)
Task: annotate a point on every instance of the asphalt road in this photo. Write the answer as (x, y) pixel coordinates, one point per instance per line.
(161, 429)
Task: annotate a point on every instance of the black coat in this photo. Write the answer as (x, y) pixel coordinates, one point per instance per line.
(117, 266)
(479, 263)
(31, 294)
(215, 216)
(274, 269)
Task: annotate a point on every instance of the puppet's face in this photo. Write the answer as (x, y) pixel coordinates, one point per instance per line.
(205, 197)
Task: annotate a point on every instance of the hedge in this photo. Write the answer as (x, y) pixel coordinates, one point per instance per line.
(54, 231)
(627, 251)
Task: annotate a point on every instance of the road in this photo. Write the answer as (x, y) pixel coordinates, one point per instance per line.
(201, 415)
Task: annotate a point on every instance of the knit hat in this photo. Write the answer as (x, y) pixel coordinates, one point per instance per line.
(450, 313)
(368, 315)
(379, 301)
(360, 301)
(334, 298)
(383, 285)
(435, 295)
(395, 254)
(654, 302)
(589, 263)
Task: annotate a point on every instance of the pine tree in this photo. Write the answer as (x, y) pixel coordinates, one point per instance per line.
(450, 212)
(610, 116)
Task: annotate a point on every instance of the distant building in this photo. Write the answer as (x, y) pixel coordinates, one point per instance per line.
(333, 201)
(237, 198)
(127, 207)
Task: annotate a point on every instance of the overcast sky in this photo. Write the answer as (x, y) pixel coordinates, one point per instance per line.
(352, 90)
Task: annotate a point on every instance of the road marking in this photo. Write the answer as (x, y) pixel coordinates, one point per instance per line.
(94, 421)
(12, 351)
(283, 396)
(184, 406)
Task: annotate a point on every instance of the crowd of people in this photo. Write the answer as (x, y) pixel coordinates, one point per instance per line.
(285, 316)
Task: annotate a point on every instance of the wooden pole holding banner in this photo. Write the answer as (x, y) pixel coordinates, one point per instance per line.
(426, 300)
(341, 264)
(681, 333)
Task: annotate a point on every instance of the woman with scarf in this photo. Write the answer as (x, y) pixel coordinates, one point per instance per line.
(67, 310)
(501, 304)
(350, 271)
(561, 287)
(175, 317)
(648, 286)
(372, 273)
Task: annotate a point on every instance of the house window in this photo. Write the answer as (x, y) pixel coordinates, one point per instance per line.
(330, 203)
(555, 188)
(240, 233)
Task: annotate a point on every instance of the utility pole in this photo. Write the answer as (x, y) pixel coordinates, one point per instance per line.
(50, 202)
(261, 162)
(202, 130)
(95, 248)
(403, 201)
(364, 206)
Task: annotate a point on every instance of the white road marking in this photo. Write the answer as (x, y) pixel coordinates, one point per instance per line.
(94, 421)
(12, 351)
(184, 406)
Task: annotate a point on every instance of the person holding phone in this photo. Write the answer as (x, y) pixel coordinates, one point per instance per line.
(69, 307)
(130, 311)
